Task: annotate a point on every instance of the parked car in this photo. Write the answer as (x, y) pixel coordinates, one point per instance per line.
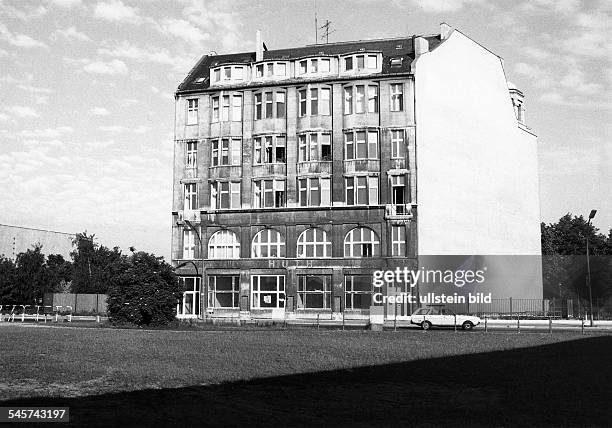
(439, 316)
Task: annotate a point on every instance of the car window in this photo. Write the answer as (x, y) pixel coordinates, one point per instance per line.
(434, 311)
(421, 311)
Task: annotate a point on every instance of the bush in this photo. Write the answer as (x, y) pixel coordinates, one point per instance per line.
(144, 293)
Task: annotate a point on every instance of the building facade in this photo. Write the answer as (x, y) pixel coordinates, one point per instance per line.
(297, 174)
(17, 239)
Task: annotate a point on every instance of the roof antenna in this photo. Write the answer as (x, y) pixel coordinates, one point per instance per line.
(326, 32)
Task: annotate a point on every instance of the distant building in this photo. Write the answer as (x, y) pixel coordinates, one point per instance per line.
(299, 172)
(16, 239)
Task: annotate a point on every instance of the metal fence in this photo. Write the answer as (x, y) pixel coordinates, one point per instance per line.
(86, 304)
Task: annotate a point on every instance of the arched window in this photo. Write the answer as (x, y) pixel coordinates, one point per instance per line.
(313, 243)
(361, 242)
(268, 243)
(224, 244)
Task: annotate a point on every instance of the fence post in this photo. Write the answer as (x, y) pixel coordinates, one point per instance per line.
(510, 305)
(550, 325)
(318, 315)
(486, 327)
(518, 322)
(582, 325)
(342, 320)
(455, 323)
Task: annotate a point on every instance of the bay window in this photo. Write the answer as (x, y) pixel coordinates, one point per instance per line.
(225, 195)
(314, 191)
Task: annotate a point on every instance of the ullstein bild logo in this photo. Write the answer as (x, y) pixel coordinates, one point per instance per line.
(406, 276)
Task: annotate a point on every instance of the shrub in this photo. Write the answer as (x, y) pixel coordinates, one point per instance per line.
(144, 293)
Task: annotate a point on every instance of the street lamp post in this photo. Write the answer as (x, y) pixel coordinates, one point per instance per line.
(204, 304)
(591, 216)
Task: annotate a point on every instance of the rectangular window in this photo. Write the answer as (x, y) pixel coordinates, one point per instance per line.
(325, 101)
(348, 63)
(398, 241)
(225, 195)
(226, 108)
(349, 152)
(325, 191)
(238, 73)
(191, 154)
(302, 148)
(259, 70)
(191, 197)
(361, 148)
(223, 291)
(281, 69)
(269, 105)
(372, 144)
(215, 109)
(279, 150)
(269, 193)
(314, 192)
(326, 147)
(258, 107)
(192, 111)
(361, 190)
(217, 75)
(372, 99)
(267, 291)
(227, 73)
(214, 152)
(360, 62)
(397, 97)
(224, 160)
(314, 102)
(302, 102)
(237, 108)
(235, 151)
(268, 150)
(189, 305)
(189, 244)
(398, 149)
(314, 292)
(314, 147)
(325, 65)
(372, 62)
(257, 151)
(348, 100)
(280, 104)
(360, 99)
(303, 65)
(314, 65)
(358, 291)
(270, 69)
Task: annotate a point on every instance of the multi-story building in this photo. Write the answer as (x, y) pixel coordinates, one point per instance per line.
(299, 172)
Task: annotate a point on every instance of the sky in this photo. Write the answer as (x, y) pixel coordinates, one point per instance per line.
(87, 105)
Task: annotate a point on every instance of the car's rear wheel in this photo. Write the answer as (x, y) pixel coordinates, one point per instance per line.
(426, 325)
(467, 325)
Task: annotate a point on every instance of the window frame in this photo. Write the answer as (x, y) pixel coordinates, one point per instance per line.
(276, 247)
(193, 111)
(231, 246)
(261, 189)
(213, 291)
(324, 244)
(257, 292)
(351, 241)
(303, 292)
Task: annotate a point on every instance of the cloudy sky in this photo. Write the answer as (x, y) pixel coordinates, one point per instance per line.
(86, 88)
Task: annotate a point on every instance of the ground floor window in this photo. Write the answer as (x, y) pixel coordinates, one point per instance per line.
(268, 291)
(223, 291)
(189, 306)
(358, 291)
(314, 292)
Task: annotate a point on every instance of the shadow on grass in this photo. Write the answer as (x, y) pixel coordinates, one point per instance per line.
(563, 384)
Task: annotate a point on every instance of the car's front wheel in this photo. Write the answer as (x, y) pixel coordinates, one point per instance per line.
(426, 325)
(467, 325)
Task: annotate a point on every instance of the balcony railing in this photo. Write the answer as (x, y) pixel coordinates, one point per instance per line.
(398, 211)
(189, 215)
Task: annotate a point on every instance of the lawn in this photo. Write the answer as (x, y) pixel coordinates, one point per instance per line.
(241, 377)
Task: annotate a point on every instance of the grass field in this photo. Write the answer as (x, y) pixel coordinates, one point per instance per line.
(265, 377)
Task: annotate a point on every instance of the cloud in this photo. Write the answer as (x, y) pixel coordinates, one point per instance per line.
(99, 111)
(19, 40)
(23, 15)
(441, 6)
(99, 144)
(71, 33)
(45, 133)
(21, 111)
(118, 129)
(184, 30)
(112, 67)
(536, 52)
(34, 89)
(116, 11)
(129, 51)
(546, 6)
(65, 3)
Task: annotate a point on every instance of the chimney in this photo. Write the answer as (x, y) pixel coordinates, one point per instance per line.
(421, 46)
(445, 30)
(258, 47)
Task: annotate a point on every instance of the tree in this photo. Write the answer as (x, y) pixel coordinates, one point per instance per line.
(31, 276)
(564, 259)
(145, 292)
(60, 272)
(94, 265)
(7, 281)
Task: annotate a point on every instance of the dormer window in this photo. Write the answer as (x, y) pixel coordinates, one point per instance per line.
(313, 66)
(361, 63)
(271, 70)
(228, 73)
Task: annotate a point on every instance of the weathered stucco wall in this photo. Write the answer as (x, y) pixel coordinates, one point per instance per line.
(15, 240)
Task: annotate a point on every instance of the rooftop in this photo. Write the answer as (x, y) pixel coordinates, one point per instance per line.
(390, 48)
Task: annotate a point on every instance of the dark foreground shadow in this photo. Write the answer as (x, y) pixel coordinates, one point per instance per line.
(563, 384)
